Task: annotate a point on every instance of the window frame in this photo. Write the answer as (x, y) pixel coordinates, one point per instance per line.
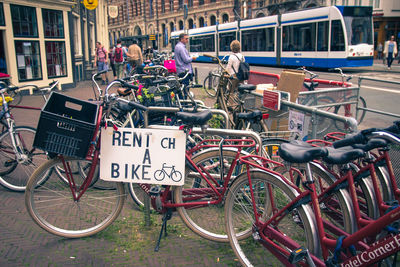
(38, 55)
(58, 55)
(59, 27)
(34, 23)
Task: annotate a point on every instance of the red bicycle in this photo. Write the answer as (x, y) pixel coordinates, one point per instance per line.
(291, 223)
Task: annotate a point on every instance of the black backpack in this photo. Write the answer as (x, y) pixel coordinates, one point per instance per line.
(244, 70)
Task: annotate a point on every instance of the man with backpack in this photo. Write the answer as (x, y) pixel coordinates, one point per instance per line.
(100, 60)
(237, 67)
(118, 56)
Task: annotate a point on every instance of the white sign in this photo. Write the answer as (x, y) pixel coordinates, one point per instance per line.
(148, 156)
(113, 11)
(298, 123)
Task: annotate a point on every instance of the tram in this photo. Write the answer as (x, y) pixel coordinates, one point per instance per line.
(327, 37)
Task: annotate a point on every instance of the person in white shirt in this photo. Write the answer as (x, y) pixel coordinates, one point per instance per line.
(233, 63)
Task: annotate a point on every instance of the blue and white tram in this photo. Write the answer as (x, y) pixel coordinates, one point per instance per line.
(327, 37)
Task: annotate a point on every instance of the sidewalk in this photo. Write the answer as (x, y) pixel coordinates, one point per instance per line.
(378, 66)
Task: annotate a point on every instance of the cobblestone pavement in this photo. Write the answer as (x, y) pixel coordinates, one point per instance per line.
(125, 243)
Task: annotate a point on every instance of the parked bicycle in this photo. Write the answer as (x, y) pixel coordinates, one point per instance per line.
(292, 224)
(18, 157)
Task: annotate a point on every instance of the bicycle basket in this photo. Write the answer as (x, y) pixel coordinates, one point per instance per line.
(66, 126)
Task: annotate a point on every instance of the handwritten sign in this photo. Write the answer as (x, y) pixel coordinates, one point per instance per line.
(148, 156)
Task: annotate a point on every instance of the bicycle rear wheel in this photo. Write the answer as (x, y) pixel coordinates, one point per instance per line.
(14, 174)
(210, 85)
(52, 206)
(206, 220)
(271, 194)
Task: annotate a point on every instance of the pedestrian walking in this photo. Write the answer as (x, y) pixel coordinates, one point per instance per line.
(390, 51)
(118, 56)
(111, 58)
(100, 60)
(380, 50)
(183, 60)
(233, 63)
(135, 56)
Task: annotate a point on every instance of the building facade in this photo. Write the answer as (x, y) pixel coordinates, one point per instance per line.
(142, 18)
(46, 40)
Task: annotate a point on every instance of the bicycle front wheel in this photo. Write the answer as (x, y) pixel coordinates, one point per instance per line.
(293, 229)
(206, 220)
(52, 206)
(349, 110)
(14, 172)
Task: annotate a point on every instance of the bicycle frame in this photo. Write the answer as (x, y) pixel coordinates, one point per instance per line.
(202, 173)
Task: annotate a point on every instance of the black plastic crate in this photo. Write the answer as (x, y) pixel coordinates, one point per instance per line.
(66, 125)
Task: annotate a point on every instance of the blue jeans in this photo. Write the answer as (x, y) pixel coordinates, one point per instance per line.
(101, 65)
(390, 59)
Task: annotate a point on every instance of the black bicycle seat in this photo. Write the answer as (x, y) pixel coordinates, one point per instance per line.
(250, 116)
(300, 152)
(199, 118)
(372, 144)
(343, 155)
(246, 87)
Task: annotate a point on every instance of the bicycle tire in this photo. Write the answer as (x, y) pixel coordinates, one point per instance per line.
(15, 175)
(138, 194)
(210, 86)
(206, 221)
(298, 224)
(323, 123)
(340, 110)
(53, 208)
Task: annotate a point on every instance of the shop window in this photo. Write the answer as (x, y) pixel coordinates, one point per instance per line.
(24, 21)
(53, 23)
(55, 58)
(28, 60)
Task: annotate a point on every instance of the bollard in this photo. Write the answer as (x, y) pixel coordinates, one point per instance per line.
(196, 77)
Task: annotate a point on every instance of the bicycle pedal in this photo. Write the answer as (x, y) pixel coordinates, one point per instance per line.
(155, 190)
(298, 255)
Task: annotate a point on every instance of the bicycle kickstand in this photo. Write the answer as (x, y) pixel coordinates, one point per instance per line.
(167, 216)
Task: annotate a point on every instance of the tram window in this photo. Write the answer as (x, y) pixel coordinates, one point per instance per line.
(299, 37)
(323, 36)
(225, 40)
(258, 40)
(202, 43)
(359, 30)
(337, 36)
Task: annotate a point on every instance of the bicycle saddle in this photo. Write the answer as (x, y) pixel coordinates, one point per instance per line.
(246, 87)
(371, 144)
(342, 155)
(199, 118)
(124, 91)
(250, 116)
(300, 152)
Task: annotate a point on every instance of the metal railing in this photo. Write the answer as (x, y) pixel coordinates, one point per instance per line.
(382, 112)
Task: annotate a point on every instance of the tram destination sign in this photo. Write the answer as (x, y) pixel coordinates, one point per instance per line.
(149, 156)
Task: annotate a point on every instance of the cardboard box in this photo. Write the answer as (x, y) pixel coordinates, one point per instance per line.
(291, 81)
(264, 86)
